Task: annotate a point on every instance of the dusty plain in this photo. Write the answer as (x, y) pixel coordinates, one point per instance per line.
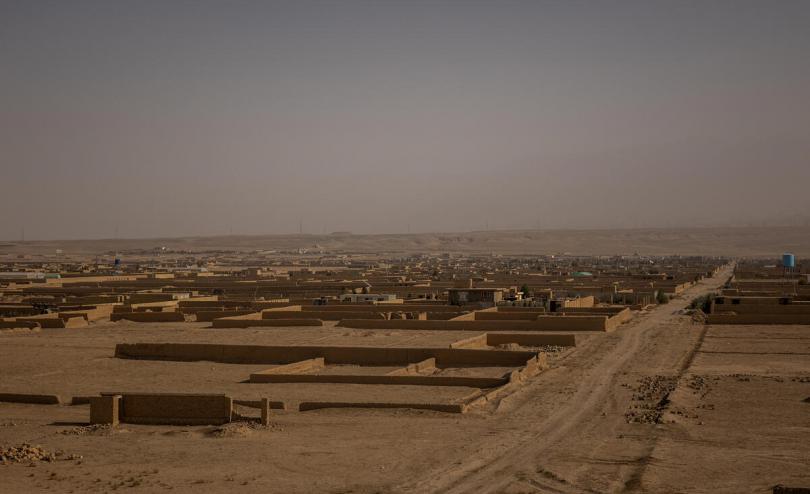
(662, 404)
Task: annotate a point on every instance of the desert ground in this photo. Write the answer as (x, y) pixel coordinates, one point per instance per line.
(405, 246)
(664, 403)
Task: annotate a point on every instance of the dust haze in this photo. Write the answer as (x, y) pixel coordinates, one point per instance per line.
(169, 119)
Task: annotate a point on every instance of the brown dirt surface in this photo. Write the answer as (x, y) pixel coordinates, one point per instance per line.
(727, 408)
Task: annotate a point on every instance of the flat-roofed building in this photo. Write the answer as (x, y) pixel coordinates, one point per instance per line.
(483, 296)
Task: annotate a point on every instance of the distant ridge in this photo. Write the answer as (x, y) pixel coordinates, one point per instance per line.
(737, 241)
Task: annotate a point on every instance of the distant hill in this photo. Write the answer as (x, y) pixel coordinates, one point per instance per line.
(754, 241)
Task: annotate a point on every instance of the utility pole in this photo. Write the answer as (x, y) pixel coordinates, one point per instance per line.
(300, 226)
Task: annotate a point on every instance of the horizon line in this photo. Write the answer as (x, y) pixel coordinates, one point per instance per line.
(349, 233)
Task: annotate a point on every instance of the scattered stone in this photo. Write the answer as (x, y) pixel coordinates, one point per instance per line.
(241, 429)
(696, 383)
(25, 453)
(699, 385)
(553, 348)
(698, 317)
(650, 399)
(92, 430)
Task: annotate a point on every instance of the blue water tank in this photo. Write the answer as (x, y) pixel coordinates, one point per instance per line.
(788, 260)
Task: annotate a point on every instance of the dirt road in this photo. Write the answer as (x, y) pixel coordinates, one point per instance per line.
(568, 431)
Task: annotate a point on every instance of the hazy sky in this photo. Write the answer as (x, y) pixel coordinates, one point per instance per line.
(173, 118)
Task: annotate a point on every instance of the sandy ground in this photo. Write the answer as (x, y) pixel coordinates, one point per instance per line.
(743, 395)
(660, 405)
(80, 362)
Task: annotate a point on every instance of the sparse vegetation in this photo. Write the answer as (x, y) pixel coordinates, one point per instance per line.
(661, 297)
(704, 302)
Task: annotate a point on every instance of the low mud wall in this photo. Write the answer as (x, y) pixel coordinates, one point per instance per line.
(148, 316)
(782, 309)
(146, 307)
(302, 366)
(381, 308)
(595, 310)
(276, 355)
(284, 308)
(542, 323)
(208, 301)
(758, 319)
(19, 324)
(34, 399)
(274, 405)
(516, 379)
(208, 316)
(403, 380)
(263, 323)
(622, 316)
(411, 375)
(508, 316)
(322, 315)
(513, 309)
(530, 339)
(477, 341)
(415, 368)
(750, 300)
(173, 409)
(94, 300)
(90, 315)
(581, 302)
(463, 316)
(444, 315)
(56, 322)
(305, 406)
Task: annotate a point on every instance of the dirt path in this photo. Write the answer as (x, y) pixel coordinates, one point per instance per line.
(579, 441)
